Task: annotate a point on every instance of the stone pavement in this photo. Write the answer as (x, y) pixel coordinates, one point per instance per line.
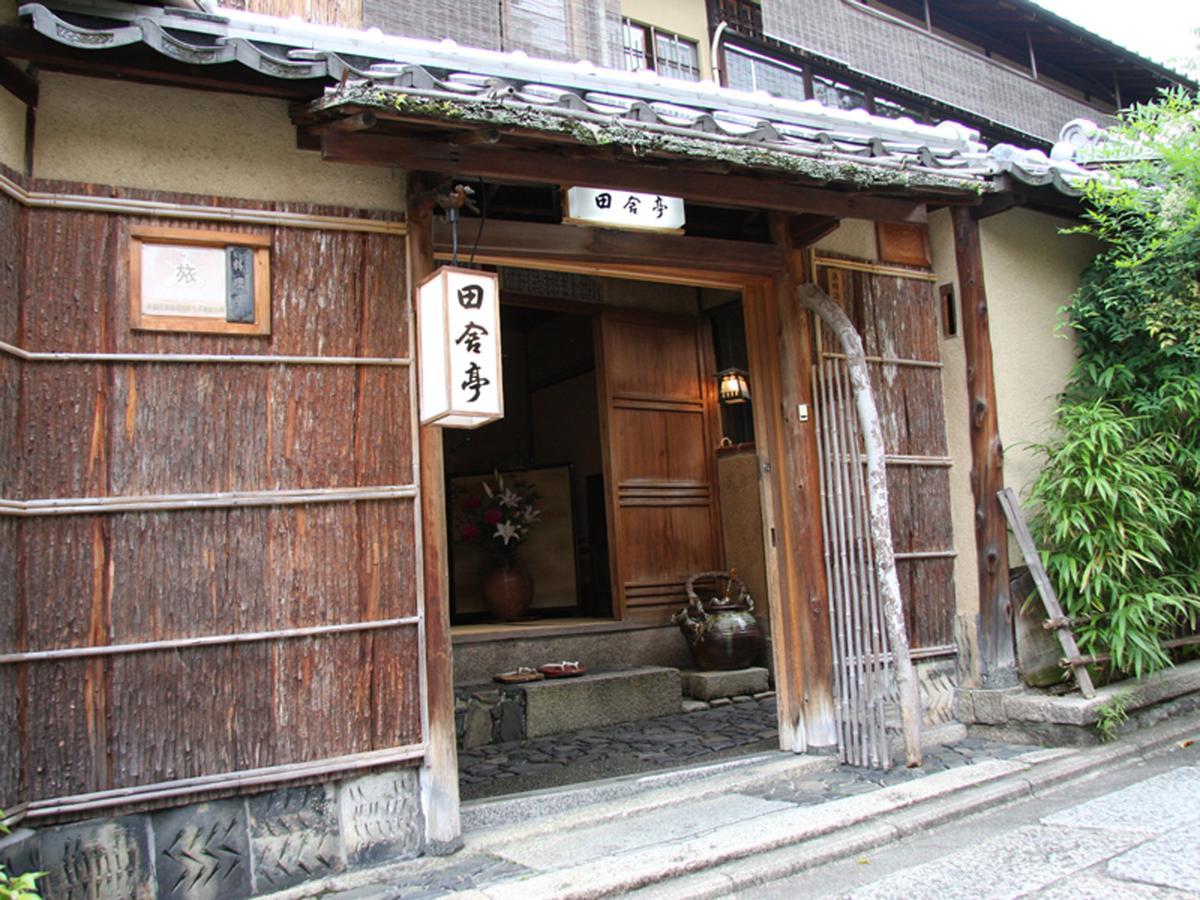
(1133, 833)
(784, 782)
(775, 825)
(577, 756)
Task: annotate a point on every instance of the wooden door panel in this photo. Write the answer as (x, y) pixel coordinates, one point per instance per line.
(659, 406)
(656, 444)
(656, 360)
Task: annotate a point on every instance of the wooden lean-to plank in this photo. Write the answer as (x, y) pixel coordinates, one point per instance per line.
(996, 647)
(1066, 638)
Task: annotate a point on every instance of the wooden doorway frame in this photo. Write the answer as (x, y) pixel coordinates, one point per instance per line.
(780, 345)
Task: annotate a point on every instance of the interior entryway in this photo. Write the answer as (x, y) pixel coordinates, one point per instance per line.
(613, 438)
(615, 475)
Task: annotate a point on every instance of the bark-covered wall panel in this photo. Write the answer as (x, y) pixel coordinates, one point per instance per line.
(186, 574)
(11, 233)
(395, 690)
(124, 429)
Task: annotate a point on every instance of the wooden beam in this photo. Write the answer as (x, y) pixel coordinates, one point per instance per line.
(996, 650)
(18, 82)
(805, 597)
(539, 166)
(439, 774)
(604, 246)
(808, 229)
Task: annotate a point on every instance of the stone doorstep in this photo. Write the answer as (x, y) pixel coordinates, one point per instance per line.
(494, 713)
(718, 684)
(1017, 705)
(600, 699)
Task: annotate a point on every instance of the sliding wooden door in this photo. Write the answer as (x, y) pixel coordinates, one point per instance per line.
(658, 413)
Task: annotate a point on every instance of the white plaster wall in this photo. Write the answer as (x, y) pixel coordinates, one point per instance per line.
(12, 131)
(12, 110)
(687, 18)
(958, 441)
(1030, 271)
(853, 237)
(159, 138)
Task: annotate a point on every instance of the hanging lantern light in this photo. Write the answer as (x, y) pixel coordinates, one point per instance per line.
(733, 385)
(458, 345)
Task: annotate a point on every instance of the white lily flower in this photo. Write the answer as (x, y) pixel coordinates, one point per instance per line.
(510, 500)
(506, 531)
(530, 515)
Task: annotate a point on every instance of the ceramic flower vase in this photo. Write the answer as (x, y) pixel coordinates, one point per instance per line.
(507, 592)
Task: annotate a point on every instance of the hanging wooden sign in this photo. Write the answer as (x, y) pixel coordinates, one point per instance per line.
(458, 315)
(612, 208)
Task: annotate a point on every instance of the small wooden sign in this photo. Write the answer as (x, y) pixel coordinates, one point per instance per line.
(610, 208)
(207, 281)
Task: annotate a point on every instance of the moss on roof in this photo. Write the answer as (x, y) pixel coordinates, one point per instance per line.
(645, 141)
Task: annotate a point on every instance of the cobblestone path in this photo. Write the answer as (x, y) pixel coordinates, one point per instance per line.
(575, 756)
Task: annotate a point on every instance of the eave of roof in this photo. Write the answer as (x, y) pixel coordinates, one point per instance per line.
(645, 115)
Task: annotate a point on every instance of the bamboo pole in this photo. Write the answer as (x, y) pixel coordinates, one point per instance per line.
(877, 661)
(857, 570)
(262, 359)
(77, 804)
(208, 640)
(844, 585)
(74, 506)
(194, 212)
(839, 676)
(813, 298)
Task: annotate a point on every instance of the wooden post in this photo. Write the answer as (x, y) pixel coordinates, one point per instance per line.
(805, 593)
(439, 774)
(996, 652)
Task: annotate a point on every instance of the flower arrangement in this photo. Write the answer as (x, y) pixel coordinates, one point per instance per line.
(500, 517)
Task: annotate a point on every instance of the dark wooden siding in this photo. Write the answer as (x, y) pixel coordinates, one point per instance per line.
(119, 429)
(897, 318)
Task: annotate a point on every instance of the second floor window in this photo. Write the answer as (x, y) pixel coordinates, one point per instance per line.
(668, 54)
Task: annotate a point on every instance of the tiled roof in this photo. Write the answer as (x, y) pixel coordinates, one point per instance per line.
(640, 111)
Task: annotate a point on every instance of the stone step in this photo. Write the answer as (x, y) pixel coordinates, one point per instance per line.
(494, 713)
(720, 684)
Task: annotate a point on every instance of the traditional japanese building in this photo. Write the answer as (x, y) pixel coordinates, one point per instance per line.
(242, 580)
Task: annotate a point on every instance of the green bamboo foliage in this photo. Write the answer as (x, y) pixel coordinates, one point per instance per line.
(1118, 502)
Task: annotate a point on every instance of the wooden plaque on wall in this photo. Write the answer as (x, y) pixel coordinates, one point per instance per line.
(200, 281)
(904, 243)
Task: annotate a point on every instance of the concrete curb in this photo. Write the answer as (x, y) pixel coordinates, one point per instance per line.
(638, 794)
(782, 843)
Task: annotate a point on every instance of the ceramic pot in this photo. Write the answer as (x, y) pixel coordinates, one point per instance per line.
(507, 592)
(722, 632)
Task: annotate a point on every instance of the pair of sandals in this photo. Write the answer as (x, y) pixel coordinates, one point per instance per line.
(522, 674)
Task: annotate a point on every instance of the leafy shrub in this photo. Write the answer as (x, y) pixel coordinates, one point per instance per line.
(17, 887)
(1119, 497)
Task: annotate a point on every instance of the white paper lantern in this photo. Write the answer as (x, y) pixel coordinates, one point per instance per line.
(458, 347)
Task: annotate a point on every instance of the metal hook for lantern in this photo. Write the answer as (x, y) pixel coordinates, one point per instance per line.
(458, 197)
